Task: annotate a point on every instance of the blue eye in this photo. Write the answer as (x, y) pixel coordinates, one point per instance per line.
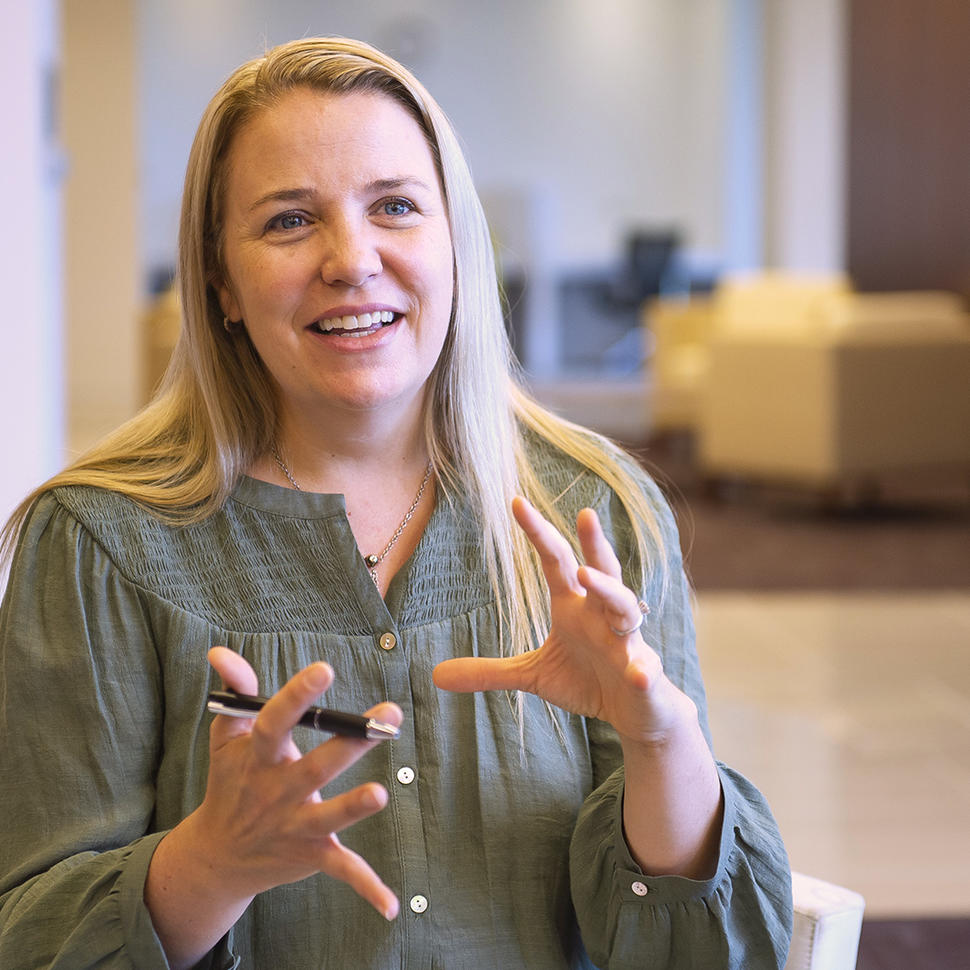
(398, 207)
(288, 220)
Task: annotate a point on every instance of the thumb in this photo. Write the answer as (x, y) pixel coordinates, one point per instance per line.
(237, 675)
(234, 670)
(464, 674)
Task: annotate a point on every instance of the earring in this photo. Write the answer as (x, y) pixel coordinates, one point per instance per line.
(227, 324)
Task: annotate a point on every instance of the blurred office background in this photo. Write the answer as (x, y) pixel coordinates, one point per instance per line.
(642, 162)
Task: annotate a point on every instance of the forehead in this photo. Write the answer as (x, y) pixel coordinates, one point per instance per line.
(330, 137)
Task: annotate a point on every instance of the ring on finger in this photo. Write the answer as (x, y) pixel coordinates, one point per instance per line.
(644, 610)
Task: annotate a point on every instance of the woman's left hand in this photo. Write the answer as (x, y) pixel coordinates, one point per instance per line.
(585, 665)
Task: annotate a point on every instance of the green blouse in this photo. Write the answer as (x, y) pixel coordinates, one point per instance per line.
(502, 838)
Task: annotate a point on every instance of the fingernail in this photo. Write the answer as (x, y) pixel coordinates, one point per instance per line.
(317, 676)
(374, 797)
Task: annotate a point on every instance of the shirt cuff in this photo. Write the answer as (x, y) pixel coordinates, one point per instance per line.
(141, 941)
(632, 885)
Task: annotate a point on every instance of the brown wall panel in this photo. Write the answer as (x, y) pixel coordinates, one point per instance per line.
(908, 199)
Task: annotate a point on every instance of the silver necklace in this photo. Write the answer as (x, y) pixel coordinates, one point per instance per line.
(373, 560)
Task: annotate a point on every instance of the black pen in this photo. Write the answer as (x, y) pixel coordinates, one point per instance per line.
(319, 718)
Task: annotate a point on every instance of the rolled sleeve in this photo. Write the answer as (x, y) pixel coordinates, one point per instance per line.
(739, 918)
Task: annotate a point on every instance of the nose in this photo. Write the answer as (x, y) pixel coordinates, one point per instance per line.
(351, 255)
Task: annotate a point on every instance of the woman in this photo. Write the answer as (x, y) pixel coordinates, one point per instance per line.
(323, 494)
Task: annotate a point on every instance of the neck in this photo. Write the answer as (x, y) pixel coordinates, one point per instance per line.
(318, 445)
(337, 455)
(389, 493)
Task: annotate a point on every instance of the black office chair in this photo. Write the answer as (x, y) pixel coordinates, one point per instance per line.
(648, 257)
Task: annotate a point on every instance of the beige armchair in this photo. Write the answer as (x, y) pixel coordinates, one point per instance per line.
(861, 385)
(798, 378)
(161, 324)
(680, 332)
(827, 925)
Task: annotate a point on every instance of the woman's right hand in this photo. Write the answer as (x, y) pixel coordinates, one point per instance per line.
(263, 821)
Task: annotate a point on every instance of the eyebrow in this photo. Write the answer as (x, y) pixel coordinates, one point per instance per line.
(283, 195)
(389, 185)
(301, 194)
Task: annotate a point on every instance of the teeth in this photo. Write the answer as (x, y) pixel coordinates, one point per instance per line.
(362, 322)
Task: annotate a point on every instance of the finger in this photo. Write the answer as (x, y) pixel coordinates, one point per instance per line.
(342, 863)
(271, 729)
(326, 761)
(337, 814)
(238, 675)
(466, 674)
(597, 550)
(234, 670)
(618, 604)
(556, 555)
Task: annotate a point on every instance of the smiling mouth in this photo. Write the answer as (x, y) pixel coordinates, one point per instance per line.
(355, 326)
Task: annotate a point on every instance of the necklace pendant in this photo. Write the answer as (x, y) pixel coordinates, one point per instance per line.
(371, 561)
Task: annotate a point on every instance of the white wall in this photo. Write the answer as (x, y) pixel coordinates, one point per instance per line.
(743, 176)
(805, 120)
(609, 114)
(31, 380)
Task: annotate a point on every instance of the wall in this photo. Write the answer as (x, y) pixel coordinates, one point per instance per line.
(805, 110)
(31, 401)
(909, 150)
(103, 269)
(597, 116)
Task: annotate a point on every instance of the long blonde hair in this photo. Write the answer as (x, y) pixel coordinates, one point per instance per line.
(216, 412)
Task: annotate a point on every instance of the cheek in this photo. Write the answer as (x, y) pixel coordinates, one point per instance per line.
(268, 286)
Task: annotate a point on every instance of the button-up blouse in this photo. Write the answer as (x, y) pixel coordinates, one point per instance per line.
(503, 833)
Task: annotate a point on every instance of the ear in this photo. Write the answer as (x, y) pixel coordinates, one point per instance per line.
(227, 300)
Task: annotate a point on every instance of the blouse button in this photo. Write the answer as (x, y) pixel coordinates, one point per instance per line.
(418, 904)
(388, 641)
(405, 775)
(640, 888)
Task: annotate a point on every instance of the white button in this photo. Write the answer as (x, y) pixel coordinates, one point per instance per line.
(388, 641)
(640, 889)
(418, 904)
(405, 775)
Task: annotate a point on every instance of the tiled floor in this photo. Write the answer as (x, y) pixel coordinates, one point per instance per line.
(852, 714)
